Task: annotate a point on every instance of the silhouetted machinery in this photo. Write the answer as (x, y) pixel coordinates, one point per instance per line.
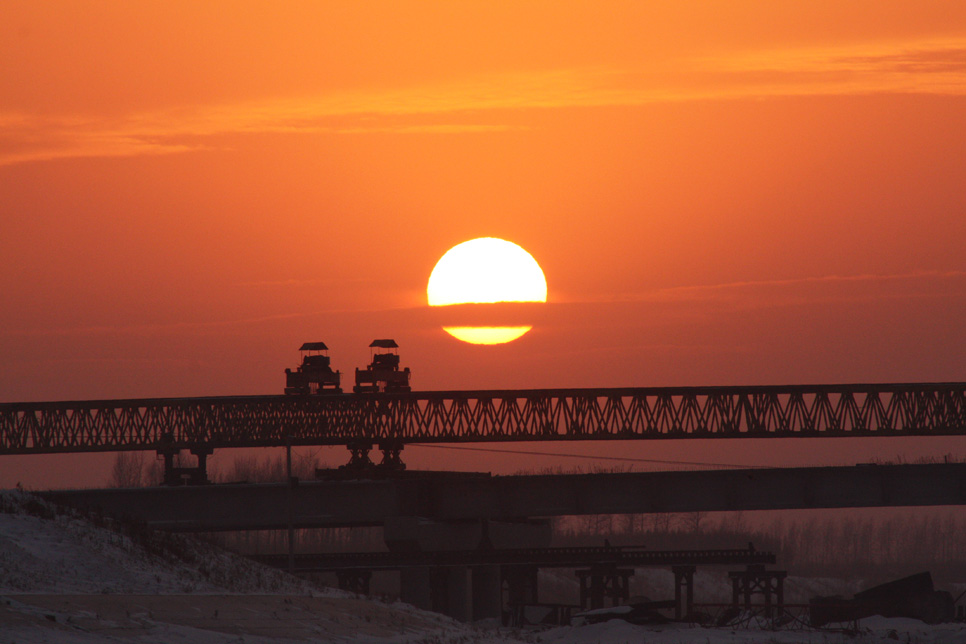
(315, 374)
(383, 373)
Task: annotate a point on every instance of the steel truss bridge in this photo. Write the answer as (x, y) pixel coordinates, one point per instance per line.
(394, 419)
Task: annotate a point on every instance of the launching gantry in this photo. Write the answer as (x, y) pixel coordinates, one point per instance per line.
(315, 375)
(383, 372)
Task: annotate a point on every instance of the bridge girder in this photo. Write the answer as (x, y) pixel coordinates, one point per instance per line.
(463, 498)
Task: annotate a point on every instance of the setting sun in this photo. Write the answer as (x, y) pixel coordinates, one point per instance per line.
(485, 271)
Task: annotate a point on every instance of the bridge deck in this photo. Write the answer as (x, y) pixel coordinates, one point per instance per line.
(370, 502)
(923, 409)
(635, 557)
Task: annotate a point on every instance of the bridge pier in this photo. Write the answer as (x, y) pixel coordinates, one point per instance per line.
(601, 582)
(415, 587)
(487, 592)
(755, 580)
(354, 581)
(683, 584)
(450, 590)
(459, 591)
(522, 588)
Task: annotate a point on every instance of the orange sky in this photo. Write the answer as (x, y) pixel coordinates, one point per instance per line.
(718, 192)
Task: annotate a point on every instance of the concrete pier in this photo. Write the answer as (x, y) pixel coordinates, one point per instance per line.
(459, 591)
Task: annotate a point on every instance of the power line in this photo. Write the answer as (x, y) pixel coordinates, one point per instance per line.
(596, 458)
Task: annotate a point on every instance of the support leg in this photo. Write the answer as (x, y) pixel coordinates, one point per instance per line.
(360, 456)
(458, 593)
(170, 476)
(414, 587)
(683, 590)
(487, 593)
(199, 476)
(390, 456)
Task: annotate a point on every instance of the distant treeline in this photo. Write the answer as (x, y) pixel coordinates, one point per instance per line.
(869, 547)
(138, 469)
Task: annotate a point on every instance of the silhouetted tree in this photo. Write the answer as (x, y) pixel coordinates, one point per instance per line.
(128, 470)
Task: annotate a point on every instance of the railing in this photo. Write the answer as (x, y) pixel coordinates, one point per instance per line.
(926, 409)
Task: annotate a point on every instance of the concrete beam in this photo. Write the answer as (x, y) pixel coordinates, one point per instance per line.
(361, 503)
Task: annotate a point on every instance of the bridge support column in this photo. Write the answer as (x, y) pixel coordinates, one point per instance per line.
(522, 589)
(170, 478)
(448, 590)
(683, 580)
(359, 461)
(487, 593)
(390, 456)
(755, 580)
(355, 581)
(201, 471)
(414, 587)
(604, 582)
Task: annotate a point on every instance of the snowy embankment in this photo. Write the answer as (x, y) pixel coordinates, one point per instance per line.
(76, 579)
(43, 550)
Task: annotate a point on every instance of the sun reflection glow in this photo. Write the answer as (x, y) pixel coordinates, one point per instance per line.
(486, 334)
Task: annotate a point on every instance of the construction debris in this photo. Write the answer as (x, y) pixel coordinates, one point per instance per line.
(912, 596)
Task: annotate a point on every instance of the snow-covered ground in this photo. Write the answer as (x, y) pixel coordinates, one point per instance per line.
(68, 554)
(208, 619)
(64, 578)
(71, 579)
(873, 629)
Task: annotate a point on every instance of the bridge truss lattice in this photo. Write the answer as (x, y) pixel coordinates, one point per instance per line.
(920, 409)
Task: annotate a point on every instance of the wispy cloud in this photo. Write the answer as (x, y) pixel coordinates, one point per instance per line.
(939, 60)
(441, 128)
(827, 288)
(150, 329)
(275, 283)
(919, 67)
(474, 105)
(825, 279)
(744, 295)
